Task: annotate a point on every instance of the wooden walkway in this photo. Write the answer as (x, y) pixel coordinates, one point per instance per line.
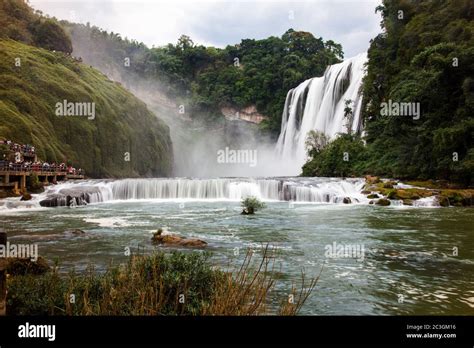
(16, 178)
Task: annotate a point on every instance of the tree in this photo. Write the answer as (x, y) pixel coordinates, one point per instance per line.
(315, 142)
(184, 43)
(335, 48)
(349, 115)
(47, 33)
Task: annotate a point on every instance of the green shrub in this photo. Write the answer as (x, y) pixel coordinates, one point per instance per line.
(251, 205)
(158, 284)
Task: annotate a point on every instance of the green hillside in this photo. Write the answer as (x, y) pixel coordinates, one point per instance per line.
(122, 123)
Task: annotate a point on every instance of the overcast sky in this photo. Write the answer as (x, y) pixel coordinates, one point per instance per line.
(221, 22)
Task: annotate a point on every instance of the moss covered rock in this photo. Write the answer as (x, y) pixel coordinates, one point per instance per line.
(26, 196)
(372, 179)
(460, 197)
(383, 202)
(174, 240)
(443, 201)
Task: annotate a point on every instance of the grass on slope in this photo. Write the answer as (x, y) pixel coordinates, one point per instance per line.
(29, 93)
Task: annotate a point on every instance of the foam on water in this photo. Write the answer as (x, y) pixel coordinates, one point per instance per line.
(181, 190)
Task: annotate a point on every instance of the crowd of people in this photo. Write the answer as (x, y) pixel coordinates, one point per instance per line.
(22, 160)
(25, 149)
(27, 166)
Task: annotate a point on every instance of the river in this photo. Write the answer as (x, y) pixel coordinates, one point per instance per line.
(411, 260)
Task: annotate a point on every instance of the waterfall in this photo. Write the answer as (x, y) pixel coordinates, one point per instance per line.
(272, 189)
(318, 104)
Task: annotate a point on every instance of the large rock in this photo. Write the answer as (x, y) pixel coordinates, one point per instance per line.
(383, 202)
(389, 184)
(75, 232)
(372, 179)
(174, 240)
(26, 197)
(68, 197)
(443, 201)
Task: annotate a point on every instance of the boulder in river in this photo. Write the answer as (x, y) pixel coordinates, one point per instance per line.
(383, 202)
(26, 197)
(372, 179)
(346, 200)
(70, 197)
(74, 232)
(443, 201)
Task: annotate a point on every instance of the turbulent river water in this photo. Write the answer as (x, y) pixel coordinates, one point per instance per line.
(415, 260)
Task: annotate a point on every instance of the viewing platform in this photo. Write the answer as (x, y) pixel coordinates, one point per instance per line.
(15, 176)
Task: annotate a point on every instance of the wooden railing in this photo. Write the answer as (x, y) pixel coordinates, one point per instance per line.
(38, 169)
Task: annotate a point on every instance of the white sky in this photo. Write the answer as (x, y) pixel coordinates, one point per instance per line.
(221, 22)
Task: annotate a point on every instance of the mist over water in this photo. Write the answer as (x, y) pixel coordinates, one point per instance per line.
(316, 104)
(195, 143)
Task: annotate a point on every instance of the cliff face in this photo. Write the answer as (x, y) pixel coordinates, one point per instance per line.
(109, 132)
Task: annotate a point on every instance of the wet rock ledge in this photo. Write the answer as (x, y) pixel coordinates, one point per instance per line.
(71, 197)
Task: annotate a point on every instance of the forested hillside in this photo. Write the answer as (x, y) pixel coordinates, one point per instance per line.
(205, 79)
(425, 55)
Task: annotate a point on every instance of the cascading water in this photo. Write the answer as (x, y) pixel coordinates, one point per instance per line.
(295, 189)
(318, 104)
(315, 190)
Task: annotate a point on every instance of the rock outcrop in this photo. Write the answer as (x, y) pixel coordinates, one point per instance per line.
(26, 197)
(383, 202)
(174, 240)
(70, 197)
(248, 114)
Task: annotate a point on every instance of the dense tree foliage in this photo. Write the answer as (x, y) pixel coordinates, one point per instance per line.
(254, 72)
(424, 55)
(20, 23)
(343, 156)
